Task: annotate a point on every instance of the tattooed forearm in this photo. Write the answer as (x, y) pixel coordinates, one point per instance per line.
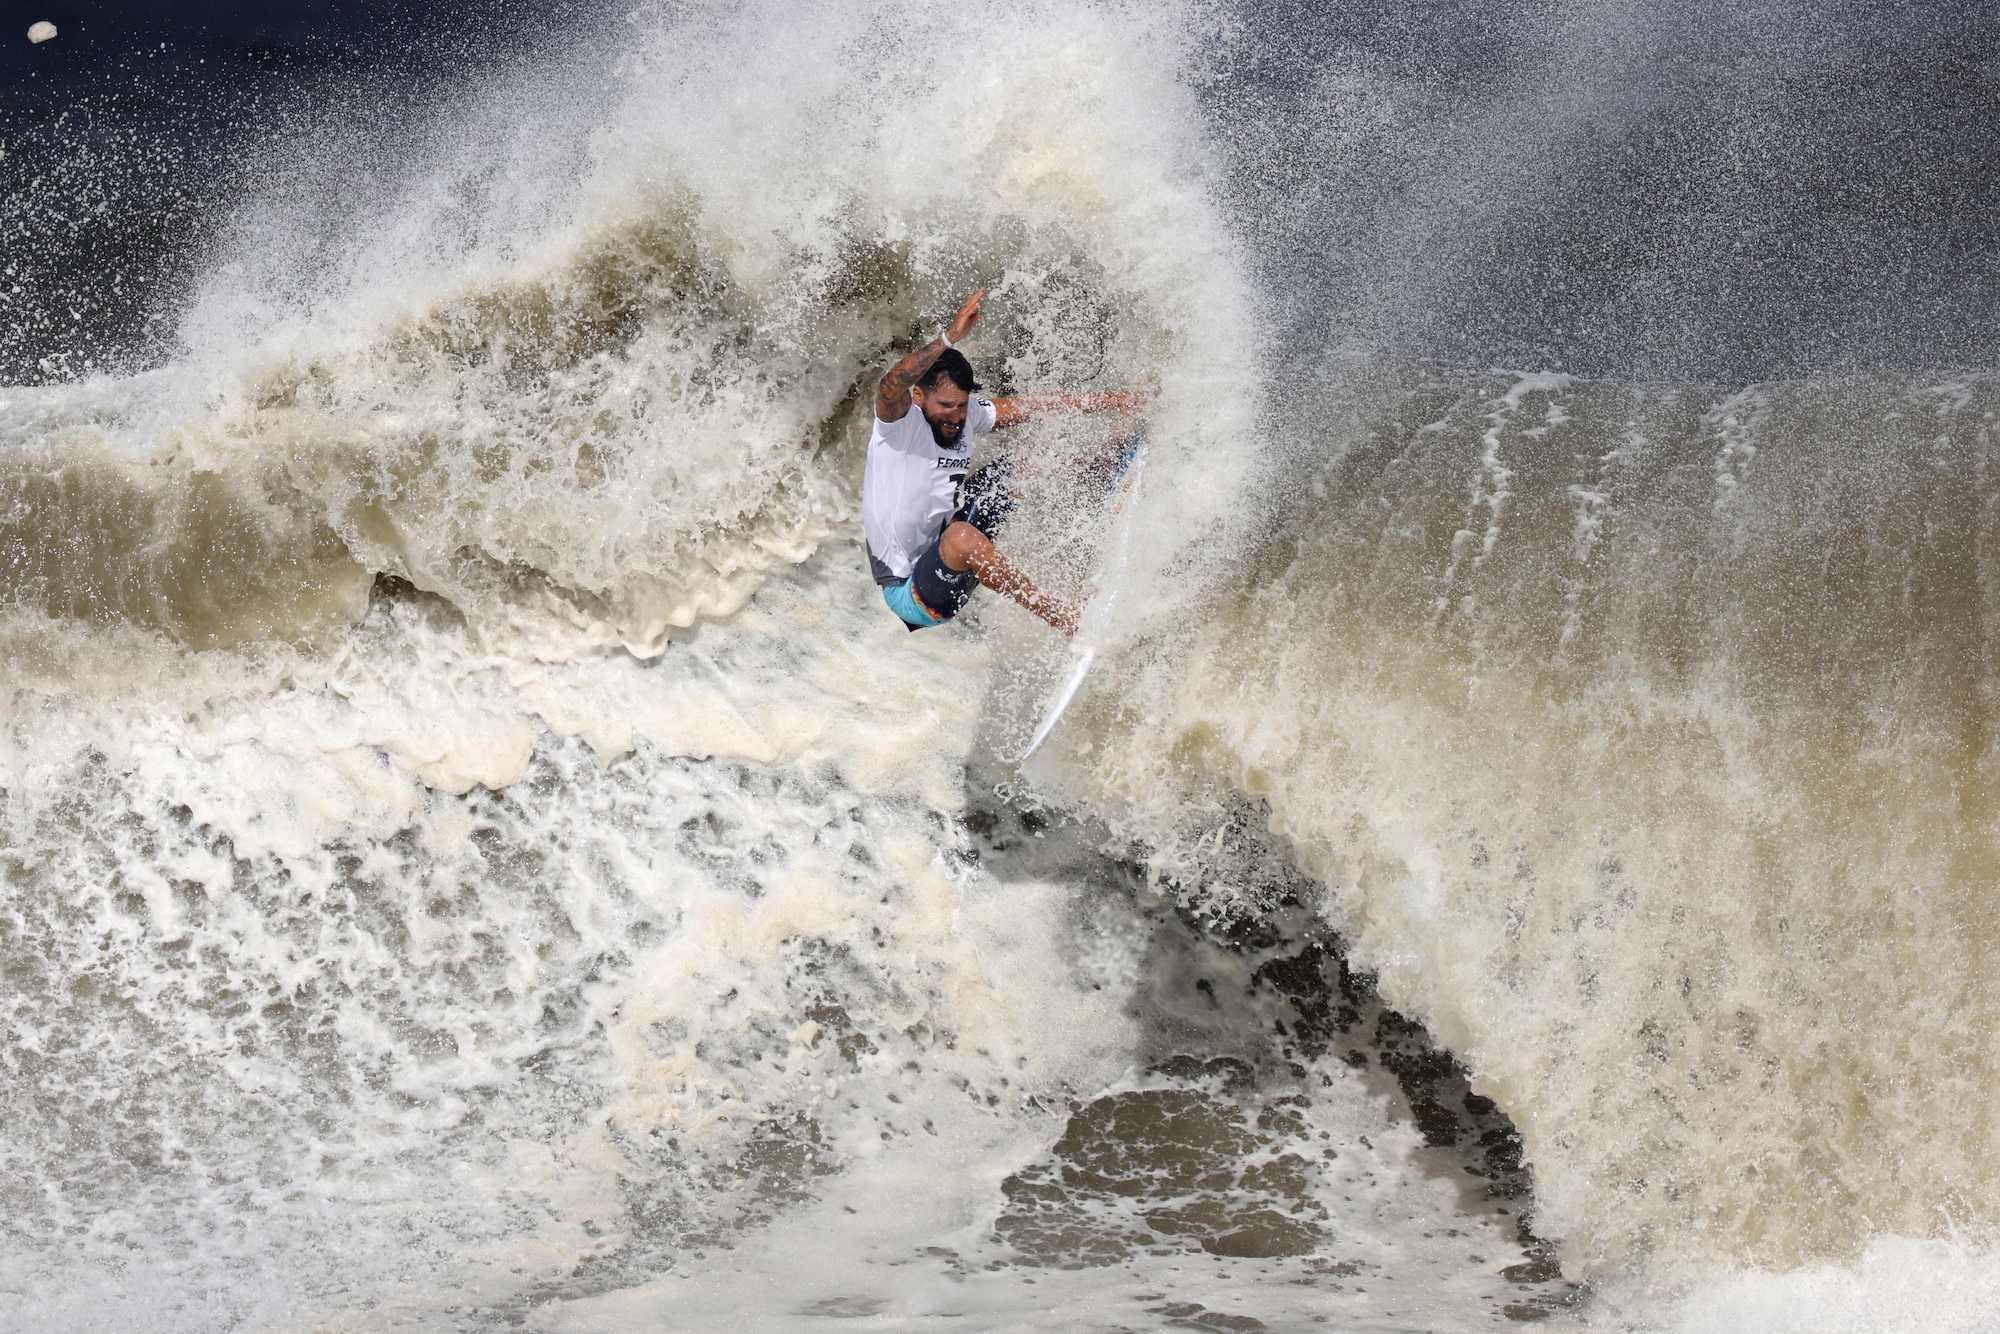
(892, 395)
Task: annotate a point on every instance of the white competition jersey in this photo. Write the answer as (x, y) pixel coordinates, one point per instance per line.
(911, 485)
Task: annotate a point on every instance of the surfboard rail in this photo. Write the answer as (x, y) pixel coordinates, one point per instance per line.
(1087, 654)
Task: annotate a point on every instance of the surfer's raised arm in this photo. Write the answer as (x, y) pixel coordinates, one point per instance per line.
(892, 395)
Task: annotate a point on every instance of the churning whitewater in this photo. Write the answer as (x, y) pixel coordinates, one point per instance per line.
(478, 855)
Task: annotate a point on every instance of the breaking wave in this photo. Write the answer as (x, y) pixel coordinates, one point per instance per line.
(1643, 737)
(1637, 737)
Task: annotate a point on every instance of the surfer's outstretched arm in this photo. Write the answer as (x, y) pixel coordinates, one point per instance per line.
(963, 547)
(1014, 411)
(892, 394)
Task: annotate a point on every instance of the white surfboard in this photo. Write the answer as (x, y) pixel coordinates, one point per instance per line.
(1087, 653)
(1062, 699)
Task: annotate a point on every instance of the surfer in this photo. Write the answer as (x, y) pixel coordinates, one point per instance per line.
(929, 525)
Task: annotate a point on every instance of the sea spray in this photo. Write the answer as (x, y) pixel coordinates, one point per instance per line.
(355, 799)
(560, 400)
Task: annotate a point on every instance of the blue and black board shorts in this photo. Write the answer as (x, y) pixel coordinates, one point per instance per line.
(934, 592)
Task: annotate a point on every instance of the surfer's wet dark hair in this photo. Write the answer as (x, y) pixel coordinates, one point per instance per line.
(952, 365)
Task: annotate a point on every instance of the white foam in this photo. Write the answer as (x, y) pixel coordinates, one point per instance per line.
(1898, 1285)
(483, 1007)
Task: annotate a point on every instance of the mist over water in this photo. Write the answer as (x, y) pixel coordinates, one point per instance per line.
(1714, 192)
(453, 745)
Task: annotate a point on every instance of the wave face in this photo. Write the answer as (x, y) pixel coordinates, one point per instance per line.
(1638, 737)
(1643, 736)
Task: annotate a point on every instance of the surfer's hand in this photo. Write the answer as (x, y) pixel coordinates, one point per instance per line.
(1138, 398)
(968, 315)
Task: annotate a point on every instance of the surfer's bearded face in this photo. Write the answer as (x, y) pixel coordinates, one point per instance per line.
(944, 408)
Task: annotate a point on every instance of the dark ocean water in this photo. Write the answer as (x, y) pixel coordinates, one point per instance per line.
(1706, 190)
(132, 136)
(1714, 191)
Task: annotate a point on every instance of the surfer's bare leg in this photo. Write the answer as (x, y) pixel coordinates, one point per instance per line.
(963, 547)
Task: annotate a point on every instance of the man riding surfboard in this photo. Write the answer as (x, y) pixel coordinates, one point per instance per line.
(930, 526)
